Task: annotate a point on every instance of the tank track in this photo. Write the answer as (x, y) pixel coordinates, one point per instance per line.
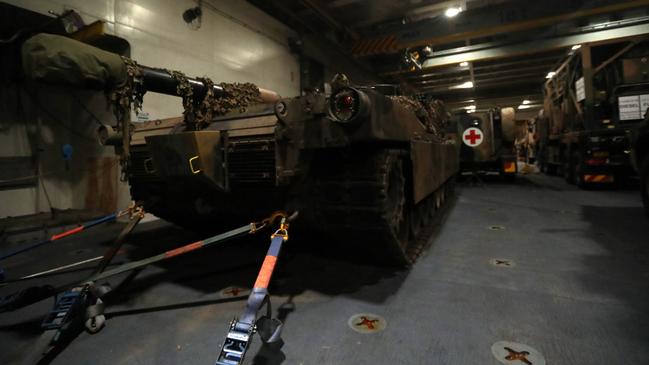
(360, 194)
(363, 194)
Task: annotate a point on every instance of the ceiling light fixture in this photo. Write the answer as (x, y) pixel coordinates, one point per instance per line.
(464, 64)
(576, 47)
(550, 75)
(453, 11)
(525, 102)
(524, 106)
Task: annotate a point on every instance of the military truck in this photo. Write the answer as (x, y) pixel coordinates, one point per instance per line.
(358, 162)
(592, 103)
(488, 141)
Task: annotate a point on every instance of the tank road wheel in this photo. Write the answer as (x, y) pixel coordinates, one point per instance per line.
(569, 168)
(579, 174)
(362, 194)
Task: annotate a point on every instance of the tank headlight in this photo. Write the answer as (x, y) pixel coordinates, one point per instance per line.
(348, 104)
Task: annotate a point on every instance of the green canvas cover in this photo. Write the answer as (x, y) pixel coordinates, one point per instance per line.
(59, 60)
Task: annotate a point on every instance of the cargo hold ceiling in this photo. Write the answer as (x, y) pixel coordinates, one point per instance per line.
(488, 49)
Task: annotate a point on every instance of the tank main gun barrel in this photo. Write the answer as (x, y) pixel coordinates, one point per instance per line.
(162, 82)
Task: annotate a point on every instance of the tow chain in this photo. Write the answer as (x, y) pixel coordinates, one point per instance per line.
(242, 329)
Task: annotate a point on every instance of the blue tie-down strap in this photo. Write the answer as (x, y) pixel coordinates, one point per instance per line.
(108, 218)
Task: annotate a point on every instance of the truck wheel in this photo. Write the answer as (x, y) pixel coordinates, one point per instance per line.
(562, 166)
(644, 183)
(569, 168)
(508, 178)
(578, 174)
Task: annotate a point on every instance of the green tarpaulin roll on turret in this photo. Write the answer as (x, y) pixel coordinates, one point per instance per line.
(59, 60)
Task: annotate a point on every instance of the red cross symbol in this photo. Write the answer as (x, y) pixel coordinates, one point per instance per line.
(369, 323)
(473, 137)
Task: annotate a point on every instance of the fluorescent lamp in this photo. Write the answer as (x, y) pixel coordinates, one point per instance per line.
(550, 75)
(576, 47)
(524, 106)
(451, 12)
(525, 102)
(464, 64)
(470, 107)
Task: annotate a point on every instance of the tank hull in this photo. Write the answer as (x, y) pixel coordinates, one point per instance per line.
(374, 177)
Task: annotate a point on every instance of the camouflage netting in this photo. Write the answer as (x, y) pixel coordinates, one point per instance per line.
(184, 89)
(432, 114)
(122, 98)
(238, 96)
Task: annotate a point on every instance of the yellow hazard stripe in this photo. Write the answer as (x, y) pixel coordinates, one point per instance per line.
(374, 46)
(598, 178)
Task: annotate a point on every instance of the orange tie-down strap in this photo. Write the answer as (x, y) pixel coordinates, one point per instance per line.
(266, 272)
(67, 233)
(184, 249)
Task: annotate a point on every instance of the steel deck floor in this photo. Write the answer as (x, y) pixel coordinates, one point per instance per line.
(577, 289)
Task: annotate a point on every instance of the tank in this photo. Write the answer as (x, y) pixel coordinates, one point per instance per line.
(361, 162)
(357, 162)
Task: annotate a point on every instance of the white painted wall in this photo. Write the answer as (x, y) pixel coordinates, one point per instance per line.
(236, 42)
